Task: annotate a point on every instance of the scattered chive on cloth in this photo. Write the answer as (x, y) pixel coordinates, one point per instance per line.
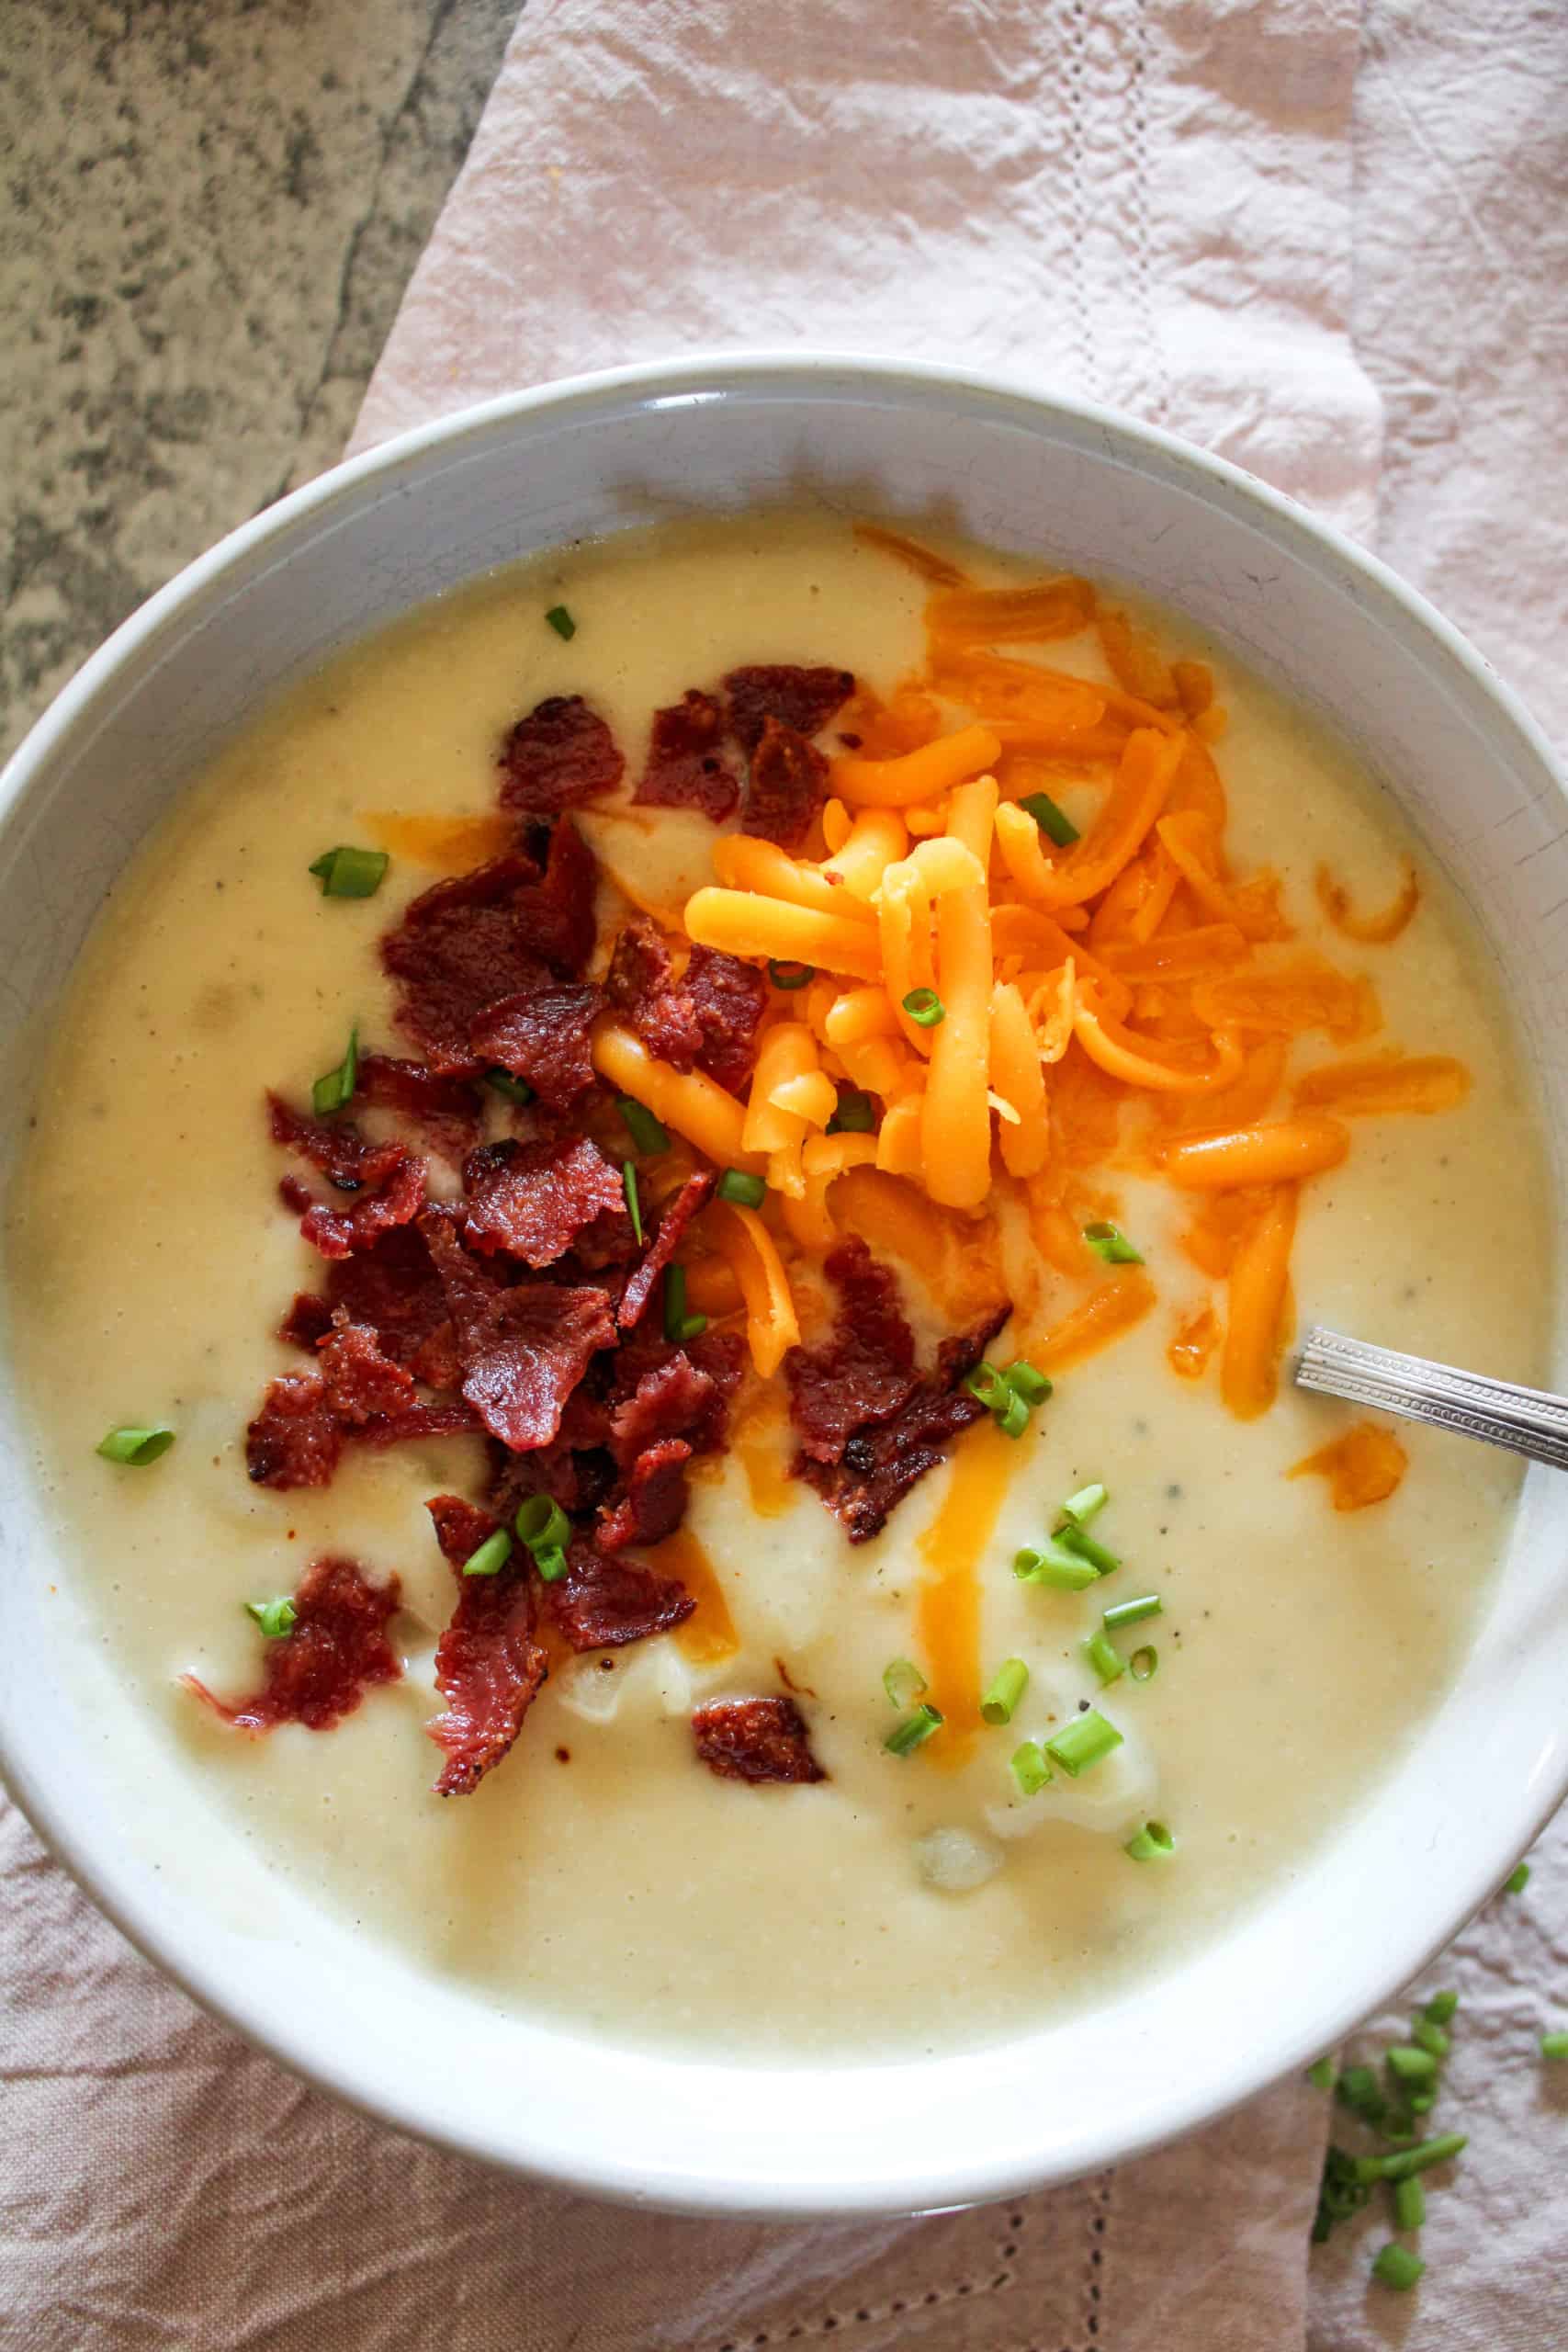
(1329, 241)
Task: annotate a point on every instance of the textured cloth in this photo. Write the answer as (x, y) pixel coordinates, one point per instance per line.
(1246, 221)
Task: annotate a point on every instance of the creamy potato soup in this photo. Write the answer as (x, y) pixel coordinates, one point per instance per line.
(1098, 1025)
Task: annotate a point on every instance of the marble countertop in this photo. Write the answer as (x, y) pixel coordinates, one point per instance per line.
(212, 209)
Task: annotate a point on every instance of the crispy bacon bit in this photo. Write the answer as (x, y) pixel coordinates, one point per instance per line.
(445, 1111)
(336, 1651)
(685, 765)
(784, 787)
(672, 1398)
(575, 1469)
(489, 1668)
(654, 1503)
(560, 756)
(865, 1371)
(879, 1466)
(729, 998)
(417, 1422)
(755, 1739)
(532, 1201)
(601, 1604)
(802, 699)
(361, 1380)
(542, 1036)
(394, 1288)
(641, 981)
(522, 1350)
(296, 1439)
(665, 1241)
(396, 1201)
(557, 916)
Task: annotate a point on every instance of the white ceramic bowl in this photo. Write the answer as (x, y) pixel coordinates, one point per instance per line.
(1069, 483)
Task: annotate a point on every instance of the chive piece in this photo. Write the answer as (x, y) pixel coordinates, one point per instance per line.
(903, 1682)
(1084, 1547)
(1154, 1843)
(1441, 2007)
(1105, 1658)
(1005, 1689)
(136, 1447)
(986, 1385)
(746, 1191)
(1053, 821)
(1358, 2089)
(914, 1731)
(492, 1557)
(515, 1090)
(925, 1008)
(1320, 2073)
(541, 1524)
(346, 873)
(680, 1326)
(1396, 2267)
(1107, 1241)
(634, 1207)
(550, 1562)
(335, 1090)
(1517, 1879)
(1025, 1382)
(647, 1133)
(1048, 1564)
(1409, 2065)
(854, 1115)
(1422, 2102)
(1144, 1664)
(1086, 1505)
(790, 976)
(1554, 2046)
(1405, 2162)
(1429, 2037)
(1030, 1769)
(276, 1618)
(1409, 2205)
(560, 620)
(1083, 1742)
(1014, 1418)
(1133, 1612)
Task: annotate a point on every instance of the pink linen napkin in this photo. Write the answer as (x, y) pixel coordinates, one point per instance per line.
(1157, 205)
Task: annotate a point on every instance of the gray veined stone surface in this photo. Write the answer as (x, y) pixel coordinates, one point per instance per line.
(211, 209)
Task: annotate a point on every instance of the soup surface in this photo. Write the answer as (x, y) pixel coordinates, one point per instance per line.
(602, 1873)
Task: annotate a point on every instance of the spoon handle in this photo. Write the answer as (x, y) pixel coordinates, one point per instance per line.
(1529, 1421)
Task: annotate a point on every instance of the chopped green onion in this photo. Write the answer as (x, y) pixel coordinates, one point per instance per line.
(515, 1090)
(1410, 2065)
(1053, 821)
(680, 1326)
(1086, 1505)
(903, 1682)
(1409, 2205)
(986, 1384)
(1048, 1564)
(1105, 1658)
(1358, 2089)
(1429, 2037)
(1014, 1418)
(1397, 2266)
(1405, 2162)
(854, 1115)
(1030, 1769)
(1441, 2007)
(550, 1562)
(1007, 1687)
(1422, 2102)
(1144, 1664)
(1025, 1382)
(634, 1207)
(791, 976)
(492, 1557)
(1133, 1612)
(1320, 2073)
(1085, 1741)
(335, 1090)
(136, 1447)
(560, 620)
(1073, 1539)
(1517, 1879)
(746, 1191)
(925, 1008)
(647, 1132)
(541, 1523)
(914, 1731)
(1108, 1242)
(1154, 1843)
(1554, 2046)
(346, 873)
(276, 1618)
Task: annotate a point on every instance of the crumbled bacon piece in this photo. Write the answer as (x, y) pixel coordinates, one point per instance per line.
(533, 1201)
(394, 1288)
(347, 1160)
(661, 1249)
(686, 768)
(803, 699)
(361, 1380)
(489, 1668)
(523, 1349)
(575, 1469)
(785, 786)
(601, 1603)
(416, 1423)
(729, 998)
(296, 1439)
(755, 1739)
(674, 1398)
(558, 757)
(654, 1503)
(642, 982)
(866, 1369)
(335, 1650)
(397, 1200)
(556, 915)
(445, 1111)
(542, 1035)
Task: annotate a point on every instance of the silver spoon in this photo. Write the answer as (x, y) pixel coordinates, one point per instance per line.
(1526, 1421)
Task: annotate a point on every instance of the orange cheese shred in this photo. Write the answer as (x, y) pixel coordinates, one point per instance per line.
(1362, 1467)
(1372, 931)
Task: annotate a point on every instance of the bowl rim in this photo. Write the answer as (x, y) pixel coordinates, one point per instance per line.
(721, 374)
